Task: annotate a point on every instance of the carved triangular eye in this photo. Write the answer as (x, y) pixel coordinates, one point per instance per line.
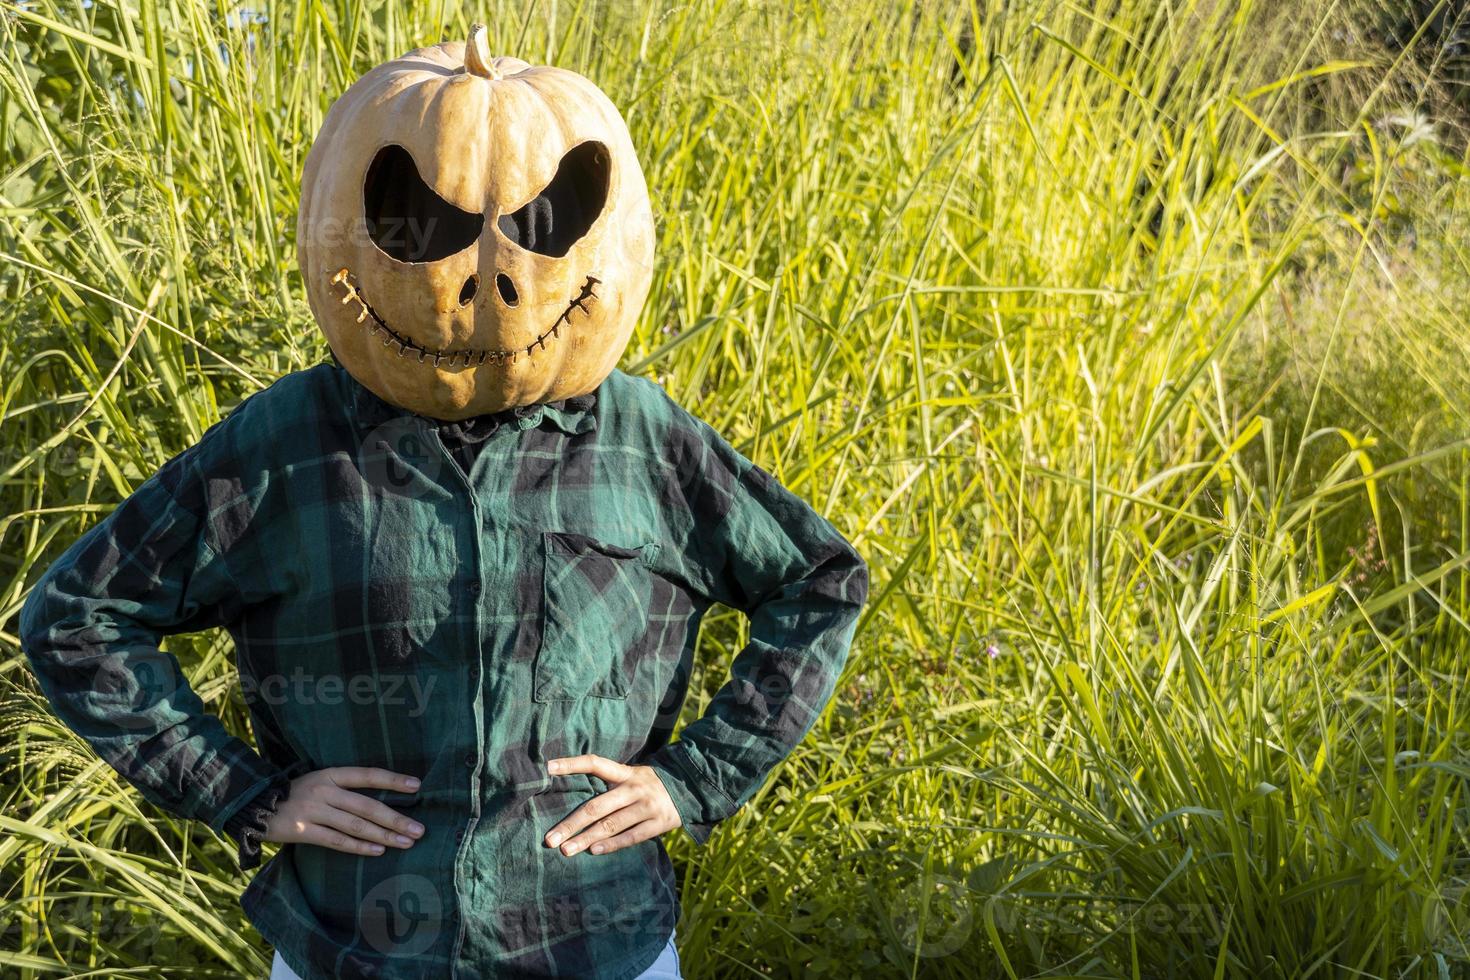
(406, 219)
(554, 220)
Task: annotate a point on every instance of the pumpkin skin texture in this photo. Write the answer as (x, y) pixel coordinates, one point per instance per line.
(438, 232)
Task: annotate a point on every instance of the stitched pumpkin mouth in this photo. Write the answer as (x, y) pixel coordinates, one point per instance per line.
(457, 356)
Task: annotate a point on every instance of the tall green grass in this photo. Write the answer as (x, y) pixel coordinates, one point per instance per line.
(1126, 340)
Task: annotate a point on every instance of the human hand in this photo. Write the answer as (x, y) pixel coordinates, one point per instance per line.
(322, 810)
(636, 808)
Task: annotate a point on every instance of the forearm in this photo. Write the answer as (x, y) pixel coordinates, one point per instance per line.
(247, 826)
(779, 684)
(129, 701)
(92, 627)
(751, 544)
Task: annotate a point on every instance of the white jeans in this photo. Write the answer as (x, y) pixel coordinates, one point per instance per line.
(666, 967)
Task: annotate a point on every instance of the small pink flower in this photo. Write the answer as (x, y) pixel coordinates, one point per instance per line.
(992, 651)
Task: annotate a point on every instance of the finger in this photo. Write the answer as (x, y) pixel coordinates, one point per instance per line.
(604, 769)
(338, 841)
(636, 834)
(376, 811)
(367, 777)
(354, 826)
(597, 808)
(609, 826)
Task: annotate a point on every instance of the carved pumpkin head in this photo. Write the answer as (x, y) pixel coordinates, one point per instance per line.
(475, 232)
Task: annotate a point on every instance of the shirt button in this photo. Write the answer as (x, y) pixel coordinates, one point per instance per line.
(459, 836)
(474, 588)
(470, 759)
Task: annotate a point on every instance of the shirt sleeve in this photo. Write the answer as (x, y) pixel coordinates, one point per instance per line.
(756, 547)
(92, 628)
(246, 827)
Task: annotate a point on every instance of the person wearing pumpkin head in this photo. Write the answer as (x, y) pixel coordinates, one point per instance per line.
(463, 565)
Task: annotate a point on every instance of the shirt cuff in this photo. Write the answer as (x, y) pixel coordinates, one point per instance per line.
(246, 826)
(691, 793)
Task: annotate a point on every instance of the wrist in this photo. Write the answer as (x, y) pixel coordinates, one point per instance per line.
(247, 826)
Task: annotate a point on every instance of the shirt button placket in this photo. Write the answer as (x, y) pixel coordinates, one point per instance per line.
(474, 589)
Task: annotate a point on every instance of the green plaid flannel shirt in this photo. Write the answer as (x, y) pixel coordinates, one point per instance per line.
(389, 609)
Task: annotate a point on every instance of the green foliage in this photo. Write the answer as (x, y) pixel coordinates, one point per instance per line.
(1126, 340)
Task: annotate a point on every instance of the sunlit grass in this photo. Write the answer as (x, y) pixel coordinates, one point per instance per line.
(1128, 346)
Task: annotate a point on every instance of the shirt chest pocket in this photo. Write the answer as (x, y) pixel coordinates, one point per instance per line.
(594, 614)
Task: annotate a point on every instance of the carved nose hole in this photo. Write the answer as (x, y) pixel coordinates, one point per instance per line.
(507, 289)
(468, 290)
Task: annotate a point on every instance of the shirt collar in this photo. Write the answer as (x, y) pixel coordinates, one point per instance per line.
(571, 415)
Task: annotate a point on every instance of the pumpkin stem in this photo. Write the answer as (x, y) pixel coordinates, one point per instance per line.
(477, 58)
